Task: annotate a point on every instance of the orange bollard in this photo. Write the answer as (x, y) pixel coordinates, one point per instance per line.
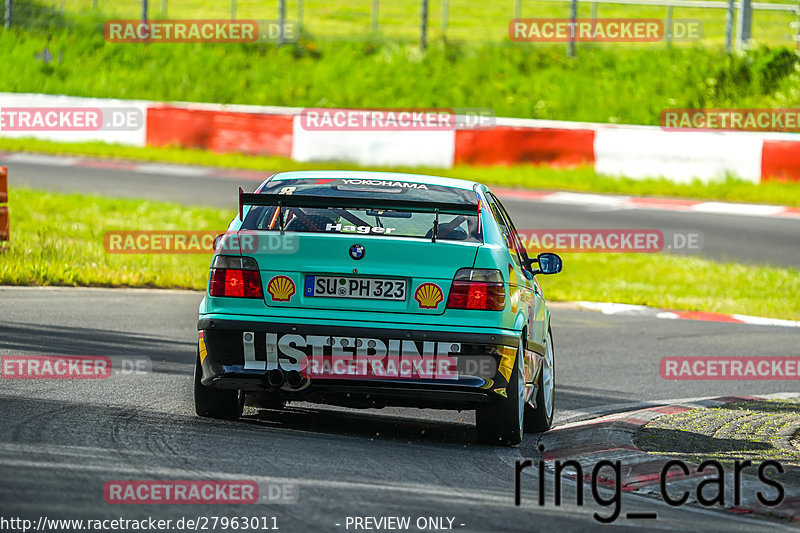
(3, 185)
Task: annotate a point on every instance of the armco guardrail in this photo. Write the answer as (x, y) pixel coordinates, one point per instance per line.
(4, 224)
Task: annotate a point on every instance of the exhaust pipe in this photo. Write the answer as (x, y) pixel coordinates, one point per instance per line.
(275, 377)
(295, 379)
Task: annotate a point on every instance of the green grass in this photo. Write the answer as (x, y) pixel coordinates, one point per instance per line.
(677, 282)
(519, 176)
(622, 84)
(57, 239)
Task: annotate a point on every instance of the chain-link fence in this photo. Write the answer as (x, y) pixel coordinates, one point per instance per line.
(774, 23)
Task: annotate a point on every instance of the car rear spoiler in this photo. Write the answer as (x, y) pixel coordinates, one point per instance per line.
(288, 200)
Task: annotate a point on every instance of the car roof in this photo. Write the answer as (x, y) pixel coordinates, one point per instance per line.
(366, 175)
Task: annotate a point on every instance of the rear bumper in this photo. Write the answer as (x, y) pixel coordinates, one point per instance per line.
(240, 354)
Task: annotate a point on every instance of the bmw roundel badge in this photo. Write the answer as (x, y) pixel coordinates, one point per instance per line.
(357, 252)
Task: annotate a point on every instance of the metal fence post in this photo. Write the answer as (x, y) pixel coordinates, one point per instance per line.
(94, 5)
(144, 10)
(594, 10)
(729, 25)
(445, 15)
(163, 8)
(281, 21)
(797, 37)
(423, 33)
(299, 17)
(7, 17)
(374, 16)
(745, 24)
(517, 9)
(233, 9)
(573, 16)
(669, 26)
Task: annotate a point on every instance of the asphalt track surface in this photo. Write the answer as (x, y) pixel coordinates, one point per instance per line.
(63, 440)
(748, 239)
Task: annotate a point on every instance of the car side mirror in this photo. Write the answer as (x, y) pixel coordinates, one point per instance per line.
(549, 263)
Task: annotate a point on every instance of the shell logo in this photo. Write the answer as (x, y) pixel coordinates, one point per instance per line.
(428, 295)
(281, 288)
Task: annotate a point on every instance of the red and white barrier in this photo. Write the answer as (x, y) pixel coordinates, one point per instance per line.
(641, 152)
(375, 148)
(130, 137)
(257, 132)
(633, 151)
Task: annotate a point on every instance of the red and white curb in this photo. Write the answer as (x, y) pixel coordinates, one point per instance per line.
(611, 438)
(166, 169)
(557, 197)
(610, 308)
(633, 202)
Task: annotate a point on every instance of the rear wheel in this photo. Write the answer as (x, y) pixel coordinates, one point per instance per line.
(540, 418)
(501, 421)
(215, 403)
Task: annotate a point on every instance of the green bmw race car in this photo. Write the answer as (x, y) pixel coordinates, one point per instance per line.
(366, 289)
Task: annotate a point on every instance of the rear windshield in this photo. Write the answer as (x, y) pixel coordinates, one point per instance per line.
(365, 221)
(371, 188)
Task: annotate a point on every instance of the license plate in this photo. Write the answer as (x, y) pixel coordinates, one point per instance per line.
(365, 288)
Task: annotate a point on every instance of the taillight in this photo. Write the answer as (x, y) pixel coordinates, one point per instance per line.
(235, 277)
(477, 288)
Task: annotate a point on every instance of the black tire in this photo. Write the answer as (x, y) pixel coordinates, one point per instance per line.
(537, 419)
(500, 422)
(215, 403)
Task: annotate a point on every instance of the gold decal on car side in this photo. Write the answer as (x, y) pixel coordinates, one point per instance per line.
(513, 288)
(201, 343)
(506, 364)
